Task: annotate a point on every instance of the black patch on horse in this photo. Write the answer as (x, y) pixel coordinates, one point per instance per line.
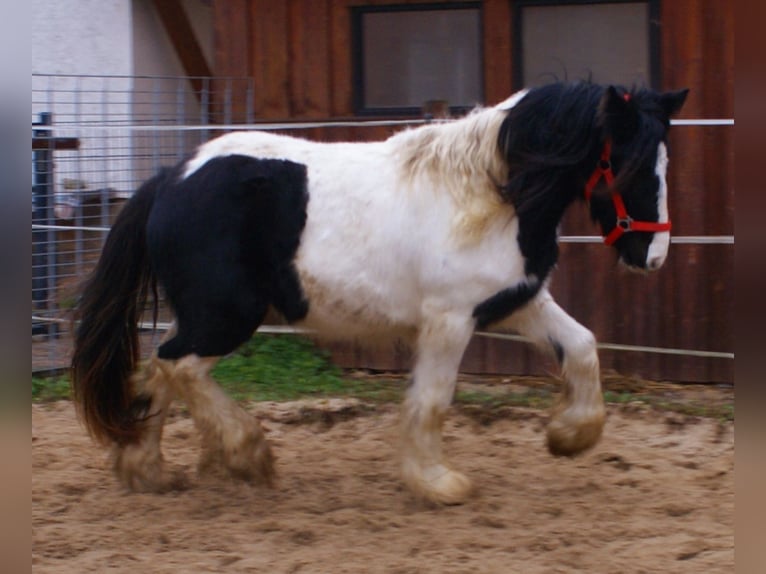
(222, 244)
(558, 350)
(503, 303)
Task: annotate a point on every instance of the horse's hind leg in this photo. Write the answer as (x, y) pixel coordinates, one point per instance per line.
(578, 419)
(140, 466)
(441, 343)
(233, 440)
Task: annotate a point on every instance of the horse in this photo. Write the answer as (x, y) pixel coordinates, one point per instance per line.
(423, 238)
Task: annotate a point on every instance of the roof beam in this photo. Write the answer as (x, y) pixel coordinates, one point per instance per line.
(181, 34)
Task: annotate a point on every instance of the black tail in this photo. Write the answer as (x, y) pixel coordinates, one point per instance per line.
(106, 349)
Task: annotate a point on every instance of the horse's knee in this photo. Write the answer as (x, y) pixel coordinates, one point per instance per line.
(578, 351)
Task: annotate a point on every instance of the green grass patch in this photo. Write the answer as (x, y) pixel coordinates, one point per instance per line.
(720, 411)
(47, 389)
(532, 398)
(289, 367)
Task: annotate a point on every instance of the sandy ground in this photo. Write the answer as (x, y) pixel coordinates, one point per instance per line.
(656, 495)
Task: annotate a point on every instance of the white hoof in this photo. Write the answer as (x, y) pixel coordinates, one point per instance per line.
(439, 484)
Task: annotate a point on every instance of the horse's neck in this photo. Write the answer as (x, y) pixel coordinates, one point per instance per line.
(462, 153)
(461, 159)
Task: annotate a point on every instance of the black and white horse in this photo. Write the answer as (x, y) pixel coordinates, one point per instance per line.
(423, 237)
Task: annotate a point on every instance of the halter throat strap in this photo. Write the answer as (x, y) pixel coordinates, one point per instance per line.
(625, 223)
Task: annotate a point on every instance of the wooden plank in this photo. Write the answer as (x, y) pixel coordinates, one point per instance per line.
(297, 57)
(341, 72)
(718, 162)
(270, 63)
(309, 48)
(496, 23)
(232, 41)
(43, 143)
(698, 313)
(232, 38)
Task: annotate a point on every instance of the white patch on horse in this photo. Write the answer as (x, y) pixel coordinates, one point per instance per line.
(507, 104)
(362, 292)
(658, 248)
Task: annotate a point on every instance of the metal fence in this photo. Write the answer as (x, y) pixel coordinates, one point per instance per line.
(95, 139)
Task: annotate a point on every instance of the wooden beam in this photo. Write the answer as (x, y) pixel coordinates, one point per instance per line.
(181, 34)
(43, 143)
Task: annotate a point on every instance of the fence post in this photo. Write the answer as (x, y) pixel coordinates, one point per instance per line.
(43, 240)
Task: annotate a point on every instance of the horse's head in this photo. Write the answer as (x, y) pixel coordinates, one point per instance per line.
(632, 208)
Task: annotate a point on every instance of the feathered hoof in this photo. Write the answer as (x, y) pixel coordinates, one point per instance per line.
(569, 435)
(252, 461)
(140, 474)
(440, 485)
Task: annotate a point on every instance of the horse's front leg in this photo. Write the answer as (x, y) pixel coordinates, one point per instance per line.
(578, 419)
(441, 342)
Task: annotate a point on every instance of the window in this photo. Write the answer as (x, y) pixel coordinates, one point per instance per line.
(611, 41)
(408, 55)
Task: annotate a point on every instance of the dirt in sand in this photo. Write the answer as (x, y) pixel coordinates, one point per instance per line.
(656, 495)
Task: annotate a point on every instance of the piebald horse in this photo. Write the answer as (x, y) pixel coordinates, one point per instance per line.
(424, 237)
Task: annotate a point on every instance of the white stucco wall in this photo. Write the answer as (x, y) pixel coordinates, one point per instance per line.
(110, 37)
(82, 37)
(102, 44)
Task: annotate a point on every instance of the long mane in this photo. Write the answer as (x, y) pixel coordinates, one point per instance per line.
(552, 138)
(545, 139)
(462, 158)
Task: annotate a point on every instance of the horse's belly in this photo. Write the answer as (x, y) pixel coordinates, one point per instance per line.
(356, 306)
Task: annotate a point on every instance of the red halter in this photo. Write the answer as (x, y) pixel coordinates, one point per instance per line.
(625, 222)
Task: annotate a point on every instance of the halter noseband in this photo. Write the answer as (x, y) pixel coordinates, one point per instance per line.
(625, 222)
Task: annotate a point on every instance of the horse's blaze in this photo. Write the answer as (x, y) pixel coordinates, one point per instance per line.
(658, 248)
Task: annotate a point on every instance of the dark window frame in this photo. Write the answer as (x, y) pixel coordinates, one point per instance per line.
(653, 34)
(357, 44)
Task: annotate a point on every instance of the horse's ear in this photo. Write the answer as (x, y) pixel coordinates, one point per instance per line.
(672, 102)
(617, 115)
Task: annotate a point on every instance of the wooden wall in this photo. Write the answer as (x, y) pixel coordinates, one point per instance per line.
(299, 54)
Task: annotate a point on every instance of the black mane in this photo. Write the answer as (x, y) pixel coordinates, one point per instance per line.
(546, 137)
(552, 138)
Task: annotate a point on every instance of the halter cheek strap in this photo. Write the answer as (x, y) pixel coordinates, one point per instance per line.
(625, 223)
